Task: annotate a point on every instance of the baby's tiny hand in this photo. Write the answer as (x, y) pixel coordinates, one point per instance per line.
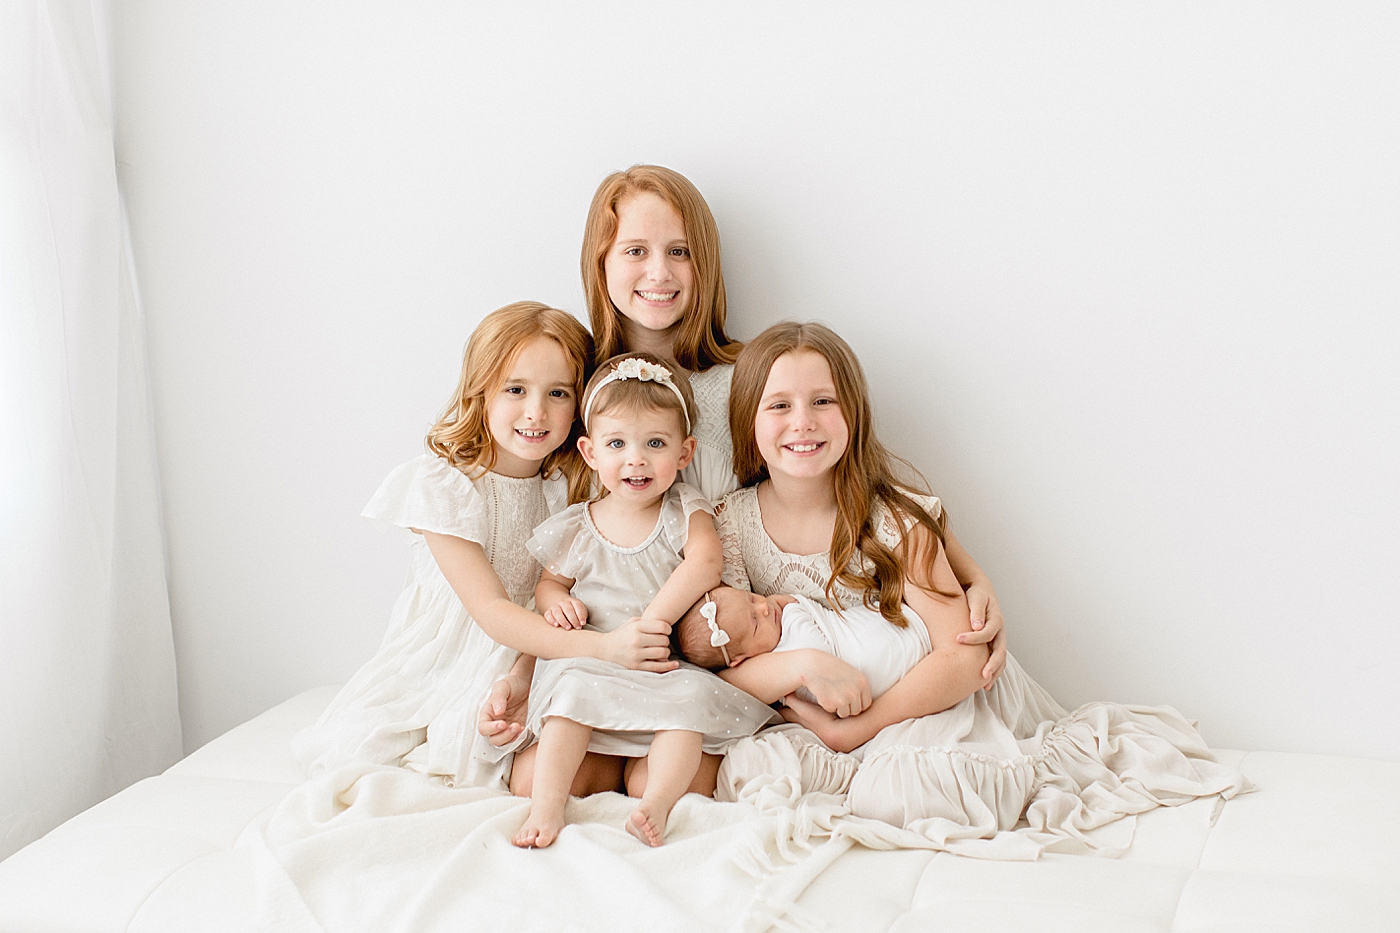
(570, 613)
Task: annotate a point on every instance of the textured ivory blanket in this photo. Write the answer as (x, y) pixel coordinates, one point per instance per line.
(388, 849)
(373, 848)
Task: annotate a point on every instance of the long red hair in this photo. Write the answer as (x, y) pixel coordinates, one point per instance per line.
(866, 474)
(701, 341)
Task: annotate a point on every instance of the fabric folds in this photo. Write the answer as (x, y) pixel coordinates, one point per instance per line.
(416, 701)
(965, 781)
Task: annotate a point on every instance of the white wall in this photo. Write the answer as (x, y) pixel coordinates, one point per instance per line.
(1124, 276)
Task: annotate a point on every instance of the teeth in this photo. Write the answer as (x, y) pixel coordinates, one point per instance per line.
(803, 448)
(657, 296)
(524, 433)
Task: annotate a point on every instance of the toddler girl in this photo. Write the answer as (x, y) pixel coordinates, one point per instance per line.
(645, 548)
(501, 459)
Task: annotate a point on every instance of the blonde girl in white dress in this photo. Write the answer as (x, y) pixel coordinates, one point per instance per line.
(501, 459)
(645, 549)
(823, 515)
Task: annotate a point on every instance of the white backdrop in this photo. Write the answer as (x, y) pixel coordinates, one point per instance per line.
(1124, 276)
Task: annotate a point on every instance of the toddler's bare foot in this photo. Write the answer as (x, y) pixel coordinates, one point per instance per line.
(648, 824)
(539, 831)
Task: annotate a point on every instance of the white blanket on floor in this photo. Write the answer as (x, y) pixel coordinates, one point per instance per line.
(392, 851)
(387, 849)
(374, 848)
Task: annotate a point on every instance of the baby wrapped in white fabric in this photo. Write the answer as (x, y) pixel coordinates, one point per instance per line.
(965, 778)
(753, 625)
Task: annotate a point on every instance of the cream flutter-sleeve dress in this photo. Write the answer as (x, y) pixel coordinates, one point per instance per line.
(1005, 773)
(626, 707)
(415, 702)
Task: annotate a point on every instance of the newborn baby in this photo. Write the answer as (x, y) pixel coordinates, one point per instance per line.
(748, 626)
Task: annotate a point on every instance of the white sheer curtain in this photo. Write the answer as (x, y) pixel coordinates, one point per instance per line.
(87, 663)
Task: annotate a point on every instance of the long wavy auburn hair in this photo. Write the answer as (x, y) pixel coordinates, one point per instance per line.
(462, 435)
(864, 476)
(701, 341)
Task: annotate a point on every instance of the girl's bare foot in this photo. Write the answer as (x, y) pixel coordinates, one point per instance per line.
(540, 830)
(648, 823)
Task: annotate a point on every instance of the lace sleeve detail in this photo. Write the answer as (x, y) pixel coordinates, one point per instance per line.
(890, 531)
(712, 469)
(429, 494)
(734, 574)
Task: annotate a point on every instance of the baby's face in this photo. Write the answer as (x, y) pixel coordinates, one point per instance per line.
(753, 623)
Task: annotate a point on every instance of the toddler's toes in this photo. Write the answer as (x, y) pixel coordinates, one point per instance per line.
(642, 825)
(537, 834)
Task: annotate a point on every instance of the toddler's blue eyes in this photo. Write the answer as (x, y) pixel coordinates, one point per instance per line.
(656, 443)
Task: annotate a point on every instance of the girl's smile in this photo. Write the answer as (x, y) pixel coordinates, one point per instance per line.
(799, 427)
(649, 274)
(530, 414)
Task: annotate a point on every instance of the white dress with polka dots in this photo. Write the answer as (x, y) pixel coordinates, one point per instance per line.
(626, 707)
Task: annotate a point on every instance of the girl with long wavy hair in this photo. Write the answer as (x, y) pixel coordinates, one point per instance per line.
(827, 513)
(501, 459)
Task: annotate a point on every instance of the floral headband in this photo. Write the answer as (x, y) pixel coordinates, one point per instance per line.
(642, 371)
(718, 636)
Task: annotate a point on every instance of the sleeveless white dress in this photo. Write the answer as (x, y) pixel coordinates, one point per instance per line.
(1001, 759)
(626, 707)
(415, 702)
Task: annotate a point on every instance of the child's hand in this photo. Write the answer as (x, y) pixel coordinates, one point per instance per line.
(569, 613)
(987, 626)
(839, 735)
(839, 688)
(502, 718)
(640, 645)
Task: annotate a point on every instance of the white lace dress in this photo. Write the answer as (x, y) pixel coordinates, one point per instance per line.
(626, 707)
(712, 469)
(415, 702)
(967, 777)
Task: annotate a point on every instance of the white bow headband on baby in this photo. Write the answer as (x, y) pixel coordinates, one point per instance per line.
(642, 371)
(718, 636)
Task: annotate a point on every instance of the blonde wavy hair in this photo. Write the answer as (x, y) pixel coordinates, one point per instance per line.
(701, 341)
(864, 477)
(462, 436)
